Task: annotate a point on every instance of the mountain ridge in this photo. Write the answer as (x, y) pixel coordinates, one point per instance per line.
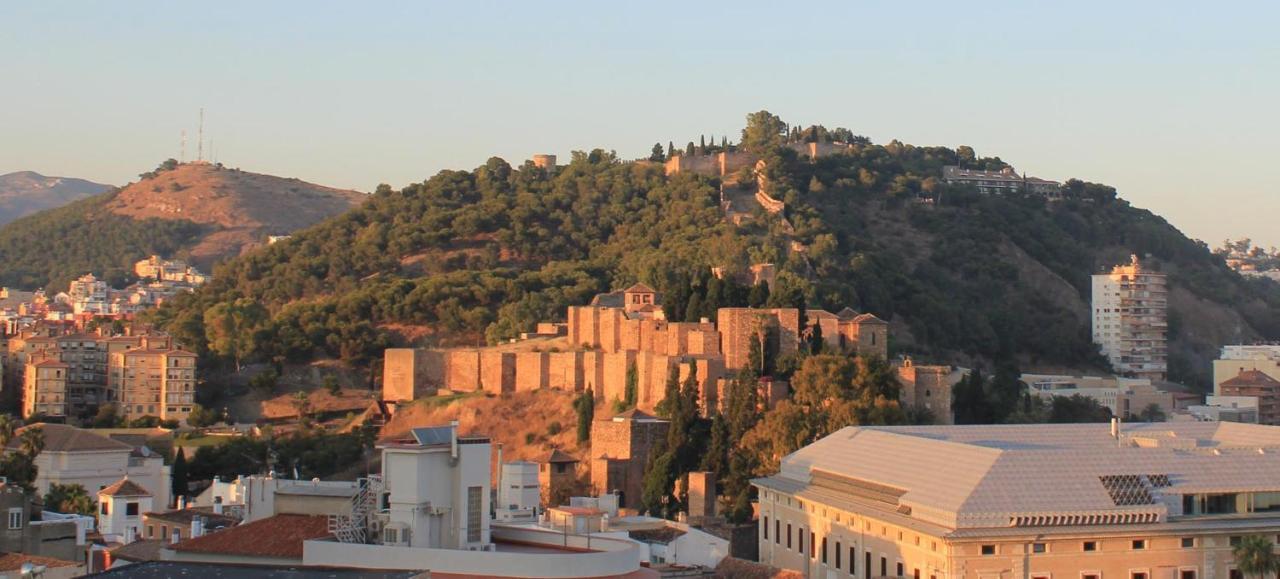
(23, 193)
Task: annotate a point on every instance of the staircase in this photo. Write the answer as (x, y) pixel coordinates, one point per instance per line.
(353, 528)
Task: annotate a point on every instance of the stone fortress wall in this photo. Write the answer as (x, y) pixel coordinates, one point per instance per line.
(604, 341)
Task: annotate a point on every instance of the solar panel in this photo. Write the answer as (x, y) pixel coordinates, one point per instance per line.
(433, 435)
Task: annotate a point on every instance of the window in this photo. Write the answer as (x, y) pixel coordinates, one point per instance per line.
(1137, 575)
(766, 527)
(1188, 542)
(105, 507)
(164, 532)
(1090, 546)
(1090, 575)
(1187, 574)
(131, 509)
(988, 549)
(1039, 548)
(1234, 540)
(813, 546)
(177, 534)
(837, 554)
(777, 534)
(151, 531)
(824, 550)
(473, 514)
(899, 568)
(15, 518)
(884, 566)
(866, 567)
(800, 541)
(788, 536)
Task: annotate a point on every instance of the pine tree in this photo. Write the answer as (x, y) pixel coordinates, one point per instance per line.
(670, 394)
(693, 311)
(689, 149)
(758, 296)
(816, 342)
(671, 149)
(702, 143)
(656, 154)
(631, 392)
(716, 458)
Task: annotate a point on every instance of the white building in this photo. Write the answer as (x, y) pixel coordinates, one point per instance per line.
(518, 492)
(1124, 397)
(120, 509)
(437, 490)
(77, 456)
(256, 497)
(88, 294)
(1130, 319)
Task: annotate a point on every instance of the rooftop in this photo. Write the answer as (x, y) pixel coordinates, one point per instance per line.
(997, 474)
(1250, 378)
(167, 569)
(212, 520)
(14, 561)
(125, 488)
(138, 551)
(277, 537)
(64, 438)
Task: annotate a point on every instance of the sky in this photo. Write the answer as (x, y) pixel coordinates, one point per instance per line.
(1173, 103)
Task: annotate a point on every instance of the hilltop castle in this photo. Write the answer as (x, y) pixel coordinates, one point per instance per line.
(621, 333)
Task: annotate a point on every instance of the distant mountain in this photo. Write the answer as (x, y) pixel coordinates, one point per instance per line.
(26, 192)
(202, 212)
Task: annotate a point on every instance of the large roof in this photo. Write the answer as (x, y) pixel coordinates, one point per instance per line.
(1251, 378)
(14, 561)
(276, 537)
(64, 438)
(995, 476)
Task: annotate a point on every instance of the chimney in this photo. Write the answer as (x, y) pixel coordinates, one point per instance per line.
(453, 439)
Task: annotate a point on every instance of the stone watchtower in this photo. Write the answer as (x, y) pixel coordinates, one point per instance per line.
(636, 297)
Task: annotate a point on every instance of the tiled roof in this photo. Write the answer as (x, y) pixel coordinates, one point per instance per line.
(634, 414)
(868, 319)
(14, 561)
(1251, 378)
(138, 551)
(277, 537)
(557, 455)
(64, 438)
(994, 474)
(125, 488)
(639, 288)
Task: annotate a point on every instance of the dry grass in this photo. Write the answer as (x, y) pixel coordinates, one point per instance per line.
(510, 420)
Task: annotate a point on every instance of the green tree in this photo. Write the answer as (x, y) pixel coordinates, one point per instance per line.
(233, 329)
(69, 499)
(178, 474)
(585, 406)
(331, 384)
(19, 467)
(758, 296)
(631, 391)
(657, 155)
(763, 133)
(1152, 413)
(1255, 556)
(666, 408)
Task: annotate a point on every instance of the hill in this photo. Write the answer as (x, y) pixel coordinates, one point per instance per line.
(202, 212)
(962, 277)
(26, 192)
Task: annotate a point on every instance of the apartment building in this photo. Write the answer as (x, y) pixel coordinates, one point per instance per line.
(1004, 181)
(1236, 358)
(1130, 319)
(1046, 501)
(1261, 387)
(44, 389)
(153, 382)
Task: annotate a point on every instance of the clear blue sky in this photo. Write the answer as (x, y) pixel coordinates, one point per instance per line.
(1174, 103)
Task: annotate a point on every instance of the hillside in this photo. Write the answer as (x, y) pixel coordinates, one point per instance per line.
(26, 192)
(202, 212)
(962, 277)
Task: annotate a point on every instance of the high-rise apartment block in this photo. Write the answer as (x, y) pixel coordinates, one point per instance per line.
(1130, 319)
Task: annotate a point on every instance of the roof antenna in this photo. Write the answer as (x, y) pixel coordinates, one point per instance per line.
(200, 139)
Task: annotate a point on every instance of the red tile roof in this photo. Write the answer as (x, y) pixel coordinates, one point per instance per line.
(277, 537)
(14, 561)
(125, 488)
(1251, 378)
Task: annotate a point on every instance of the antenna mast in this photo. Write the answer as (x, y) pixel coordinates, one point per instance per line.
(200, 140)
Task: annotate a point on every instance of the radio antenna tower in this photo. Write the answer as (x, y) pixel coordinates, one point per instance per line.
(182, 152)
(200, 139)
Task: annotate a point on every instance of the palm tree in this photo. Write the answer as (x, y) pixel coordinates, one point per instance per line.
(1255, 555)
(32, 441)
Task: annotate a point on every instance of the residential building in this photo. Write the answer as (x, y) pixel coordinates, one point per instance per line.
(1226, 409)
(1124, 397)
(120, 509)
(1256, 384)
(176, 525)
(1235, 358)
(153, 382)
(1003, 181)
(1130, 319)
(1087, 501)
(88, 294)
(44, 389)
(519, 493)
(171, 270)
(254, 497)
(30, 530)
(76, 456)
(437, 490)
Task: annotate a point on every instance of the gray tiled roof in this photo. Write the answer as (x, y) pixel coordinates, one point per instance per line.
(984, 476)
